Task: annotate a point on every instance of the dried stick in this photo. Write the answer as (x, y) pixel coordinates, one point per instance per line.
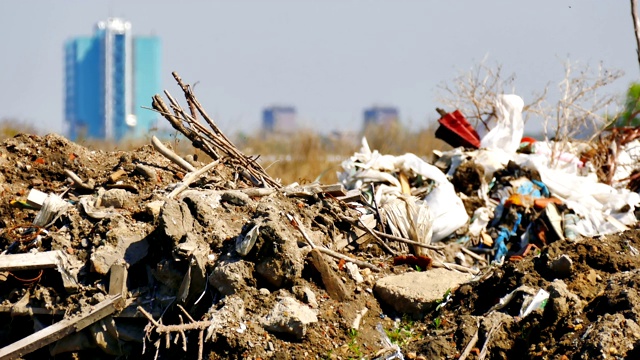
(171, 155)
(211, 142)
(380, 241)
(451, 266)
(473, 255)
(191, 177)
(200, 344)
(636, 25)
(472, 343)
(485, 347)
(296, 224)
(180, 329)
(407, 241)
(77, 181)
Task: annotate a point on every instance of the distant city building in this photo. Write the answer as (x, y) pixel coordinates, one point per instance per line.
(108, 77)
(279, 119)
(381, 115)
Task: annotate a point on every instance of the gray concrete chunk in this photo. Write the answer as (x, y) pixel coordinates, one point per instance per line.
(417, 292)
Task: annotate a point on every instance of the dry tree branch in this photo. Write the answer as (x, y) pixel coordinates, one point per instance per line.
(636, 25)
(211, 141)
(166, 330)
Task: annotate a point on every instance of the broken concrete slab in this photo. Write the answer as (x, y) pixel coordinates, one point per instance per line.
(176, 219)
(417, 292)
(231, 275)
(332, 282)
(116, 198)
(289, 316)
(280, 260)
(122, 241)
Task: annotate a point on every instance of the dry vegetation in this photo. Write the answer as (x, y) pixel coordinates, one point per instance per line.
(301, 157)
(306, 157)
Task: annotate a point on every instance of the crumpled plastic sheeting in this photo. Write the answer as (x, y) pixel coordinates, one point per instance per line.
(409, 218)
(507, 133)
(627, 161)
(591, 200)
(447, 210)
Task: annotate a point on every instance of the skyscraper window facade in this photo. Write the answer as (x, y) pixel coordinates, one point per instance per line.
(108, 78)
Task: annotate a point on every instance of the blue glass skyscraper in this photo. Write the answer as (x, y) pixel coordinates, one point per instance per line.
(108, 77)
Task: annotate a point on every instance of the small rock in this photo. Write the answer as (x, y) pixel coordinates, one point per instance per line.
(562, 266)
(417, 292)
(147, 171)
(290, 316)
(230, 276)
(235, 197)
(116, 198)
(561, 301)
(264, 291)
(411, 355)
(176, 219)
(354, 273)
(421, 357)
(153, 208)
(270, 346)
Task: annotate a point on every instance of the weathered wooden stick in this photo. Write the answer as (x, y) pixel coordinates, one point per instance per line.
(485, 347)
(77, 181)
(191, 177)
(471, 344)
(473, 255)
(452, 266)
(158, 145)
(380, 241)
(407, 241)
(59, 330)
(323, 250)
(346, 258)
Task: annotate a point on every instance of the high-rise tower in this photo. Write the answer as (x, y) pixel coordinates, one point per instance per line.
(108, 77)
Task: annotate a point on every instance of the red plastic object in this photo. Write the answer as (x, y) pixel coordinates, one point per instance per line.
(456, 131)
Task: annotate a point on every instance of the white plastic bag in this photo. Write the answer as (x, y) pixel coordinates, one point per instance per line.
(506, 135)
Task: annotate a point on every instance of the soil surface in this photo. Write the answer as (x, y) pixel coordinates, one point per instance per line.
(592, 311)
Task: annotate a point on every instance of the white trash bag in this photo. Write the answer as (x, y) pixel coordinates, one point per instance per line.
(507, 134)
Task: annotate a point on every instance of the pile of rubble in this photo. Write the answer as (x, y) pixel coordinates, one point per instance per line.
(490, 251)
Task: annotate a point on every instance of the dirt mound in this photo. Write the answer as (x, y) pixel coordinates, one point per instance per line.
(591, 312)
(179, 252)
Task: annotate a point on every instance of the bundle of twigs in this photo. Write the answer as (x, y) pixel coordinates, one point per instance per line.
(211, 141)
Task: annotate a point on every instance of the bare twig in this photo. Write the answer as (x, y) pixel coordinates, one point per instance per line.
(485, 347)
(158, 145)
(636, 25)
(77, 181)
(296, 224)
(407, 241)
(212, 141)
(166, 330)
(473, 255)
(472, 342)
(451, 266)
(191, 177)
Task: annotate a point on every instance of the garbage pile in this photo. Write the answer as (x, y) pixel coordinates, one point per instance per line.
(530, 220)
(487, 252)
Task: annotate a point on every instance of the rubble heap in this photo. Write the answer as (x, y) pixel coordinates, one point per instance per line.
(490, 252)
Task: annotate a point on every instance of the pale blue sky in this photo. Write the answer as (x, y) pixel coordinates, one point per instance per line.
(328, 58)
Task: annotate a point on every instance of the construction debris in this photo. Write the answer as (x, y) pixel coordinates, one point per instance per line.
(490, 250)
